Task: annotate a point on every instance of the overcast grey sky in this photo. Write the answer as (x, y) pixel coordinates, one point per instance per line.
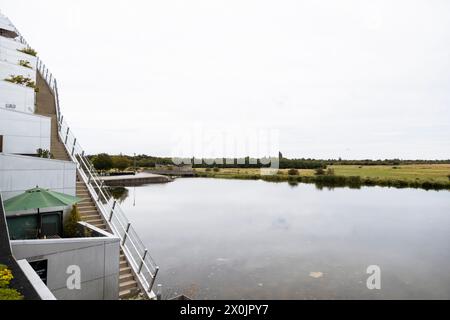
(351, 79)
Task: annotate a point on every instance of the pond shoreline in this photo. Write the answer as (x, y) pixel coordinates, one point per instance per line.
(331, 181)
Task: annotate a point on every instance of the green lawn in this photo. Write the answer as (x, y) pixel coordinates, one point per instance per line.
(426, 172)
(431, 172)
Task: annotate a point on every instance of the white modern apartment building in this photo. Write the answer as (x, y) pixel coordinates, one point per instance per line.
(112, 262)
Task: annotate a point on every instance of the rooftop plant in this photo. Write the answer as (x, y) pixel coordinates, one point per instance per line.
(44, 154)
(25, 63)
(7, 293)
(25, 81)
(29, 51)
(71, 226)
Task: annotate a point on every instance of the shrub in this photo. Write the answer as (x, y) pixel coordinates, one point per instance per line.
(215, 169)
(7, 293)
(71, 229)
(25, 81)
(319, 172)
(208, 169)
(10, 294)
(5, 276)
(44, 154)
(293, 172)
(25, 63)
(29, 51)
(330, 172)
(448, 177)
(354, 181)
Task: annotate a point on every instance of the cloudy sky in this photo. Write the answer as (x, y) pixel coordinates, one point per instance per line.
(351, 79)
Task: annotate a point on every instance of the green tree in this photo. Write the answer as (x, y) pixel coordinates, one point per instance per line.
(102, 161)
(120, 162)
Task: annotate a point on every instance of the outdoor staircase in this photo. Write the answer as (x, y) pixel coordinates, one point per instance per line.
(45, 105)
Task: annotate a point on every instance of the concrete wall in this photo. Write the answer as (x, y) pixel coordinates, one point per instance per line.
(13, 69)
(17, 97)
(13, 56)
(24, 133)
(42, 290)
(98, 259)
(20, 173)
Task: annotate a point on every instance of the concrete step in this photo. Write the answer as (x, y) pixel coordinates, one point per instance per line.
(85, 199)
(87, 206)
(86, 203)
(93, 221)
(130, 284)
(90, 217)
(124, 294)
(99, 225)
(126, 277)
(88, 212)
(125, 270)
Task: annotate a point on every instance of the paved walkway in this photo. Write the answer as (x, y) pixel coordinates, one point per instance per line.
(134, 180)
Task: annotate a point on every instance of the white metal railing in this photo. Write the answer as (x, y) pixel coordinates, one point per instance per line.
(135, 251)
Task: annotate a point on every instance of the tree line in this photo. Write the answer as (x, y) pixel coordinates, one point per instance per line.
(121, 162)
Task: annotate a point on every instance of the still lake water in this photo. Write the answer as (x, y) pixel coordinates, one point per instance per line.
(237, 239)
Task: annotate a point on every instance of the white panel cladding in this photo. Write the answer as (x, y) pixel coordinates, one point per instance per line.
(13, 56)
(8, 69)
(24, 133)
(11, 44)
(16, 97)
(5, 24)
(20, 173)
(4, 19)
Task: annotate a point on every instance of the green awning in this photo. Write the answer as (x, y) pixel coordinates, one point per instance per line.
(38, 198)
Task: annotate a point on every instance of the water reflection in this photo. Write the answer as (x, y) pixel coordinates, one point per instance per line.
(232, 239)
(119, 193)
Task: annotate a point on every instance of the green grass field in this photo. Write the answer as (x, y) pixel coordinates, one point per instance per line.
(431, 172)
(411, 174)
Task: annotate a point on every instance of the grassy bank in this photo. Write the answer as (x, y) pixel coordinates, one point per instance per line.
(427, 176)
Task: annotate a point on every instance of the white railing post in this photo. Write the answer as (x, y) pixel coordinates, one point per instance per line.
(99, 190)
(142, 261)
(73, 147)
(126, 233)
(112, 210)
(153, 279)
(67, 136)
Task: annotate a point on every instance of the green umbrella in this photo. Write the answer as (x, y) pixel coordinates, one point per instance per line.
(38, 198)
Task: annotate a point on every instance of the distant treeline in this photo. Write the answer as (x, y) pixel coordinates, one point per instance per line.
(284, 163)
